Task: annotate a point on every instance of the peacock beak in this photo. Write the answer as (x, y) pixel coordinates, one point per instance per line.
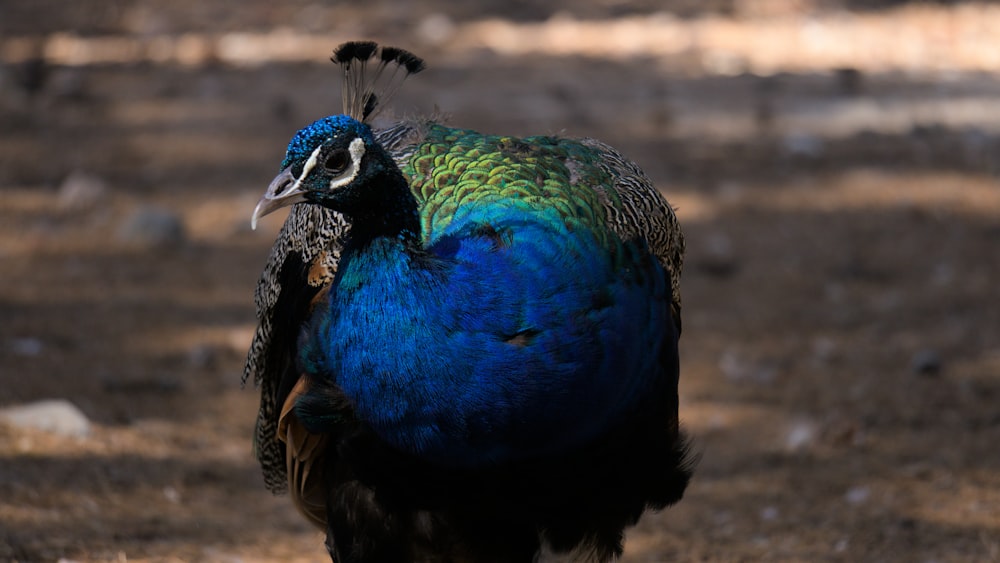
(284, 190)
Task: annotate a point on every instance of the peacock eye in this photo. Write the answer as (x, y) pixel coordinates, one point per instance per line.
(337, 161)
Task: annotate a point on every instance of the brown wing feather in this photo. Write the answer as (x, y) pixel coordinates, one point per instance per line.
(646, 214)
(303, 450)
(301, 264)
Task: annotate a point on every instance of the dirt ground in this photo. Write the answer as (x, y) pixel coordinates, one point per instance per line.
(841, 346)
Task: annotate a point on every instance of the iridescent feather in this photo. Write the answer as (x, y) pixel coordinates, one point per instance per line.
(586, 198)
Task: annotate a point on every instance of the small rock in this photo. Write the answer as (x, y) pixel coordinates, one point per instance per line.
(857, 495)
(172, 494)
(926, 362)
(26, 346)
(152, 226)
(801, 434)
(57, 416)
(769, 513)
(803, 144)
(81, 191)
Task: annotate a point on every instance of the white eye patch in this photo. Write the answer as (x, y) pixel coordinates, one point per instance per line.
(309, 165)
(356, 150)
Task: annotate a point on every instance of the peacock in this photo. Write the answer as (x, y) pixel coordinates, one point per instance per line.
(467, 346)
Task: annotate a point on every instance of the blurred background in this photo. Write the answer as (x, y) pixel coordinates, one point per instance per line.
(834, 164)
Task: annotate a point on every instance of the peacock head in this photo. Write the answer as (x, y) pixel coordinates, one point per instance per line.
(329, 162)
(336, 161)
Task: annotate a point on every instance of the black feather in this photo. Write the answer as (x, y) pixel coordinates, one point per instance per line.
(370, 104)
(354, 50)
(390, 54)
(413, 63)
(366, 93)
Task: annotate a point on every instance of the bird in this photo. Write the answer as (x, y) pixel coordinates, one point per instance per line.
(467, 344)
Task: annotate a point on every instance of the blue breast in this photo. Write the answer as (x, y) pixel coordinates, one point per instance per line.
(510, 337)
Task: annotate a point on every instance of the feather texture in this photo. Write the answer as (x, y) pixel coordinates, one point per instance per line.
(521, 246)
(467, 347)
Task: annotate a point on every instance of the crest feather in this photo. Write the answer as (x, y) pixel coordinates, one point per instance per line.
(367, 92)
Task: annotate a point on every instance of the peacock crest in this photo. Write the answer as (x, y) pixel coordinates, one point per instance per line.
(367, 90)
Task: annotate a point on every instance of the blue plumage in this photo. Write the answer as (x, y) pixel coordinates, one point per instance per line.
(305, 140)
(486, 352)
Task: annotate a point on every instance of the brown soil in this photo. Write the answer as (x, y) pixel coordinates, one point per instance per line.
(841, 347)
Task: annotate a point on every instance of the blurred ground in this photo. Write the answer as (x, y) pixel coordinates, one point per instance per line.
(834, 165)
